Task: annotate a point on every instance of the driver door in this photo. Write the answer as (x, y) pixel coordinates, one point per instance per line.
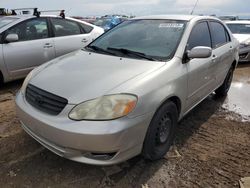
(200, 72)
(33, 47)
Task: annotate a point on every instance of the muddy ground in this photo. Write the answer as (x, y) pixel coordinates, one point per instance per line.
(212, 149)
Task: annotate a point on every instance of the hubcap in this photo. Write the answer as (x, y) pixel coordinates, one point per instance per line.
(163, 130)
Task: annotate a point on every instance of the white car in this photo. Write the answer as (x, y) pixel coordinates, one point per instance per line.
(241, 31)
(28, 41)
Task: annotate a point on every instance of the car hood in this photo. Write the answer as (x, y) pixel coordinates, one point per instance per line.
(241, 37)
(81, 75)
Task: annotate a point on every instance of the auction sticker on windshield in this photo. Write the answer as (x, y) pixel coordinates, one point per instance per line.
(171, 25)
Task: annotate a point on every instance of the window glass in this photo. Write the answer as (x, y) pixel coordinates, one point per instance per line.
(154, 38)
(6, 20)
(239, 28)
(227, 36)
(218, 34)
(86, 28)
(31, 30)
(199, 36)
(63, 27)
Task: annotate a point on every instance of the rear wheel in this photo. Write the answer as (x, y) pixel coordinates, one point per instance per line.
(224, 88)
(1, 79)
(161, 131)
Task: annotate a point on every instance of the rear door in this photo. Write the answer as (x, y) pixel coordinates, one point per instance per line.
(222, 51)
(68, 36)
(199, 69)
(33, 48)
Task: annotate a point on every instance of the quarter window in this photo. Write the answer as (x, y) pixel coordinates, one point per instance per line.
(31, 30)
(199, 36)
(63, 27)
(86, 28)
(218, 33)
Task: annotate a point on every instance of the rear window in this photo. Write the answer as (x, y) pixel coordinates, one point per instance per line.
(63, 27)
(218, 33)
(7, 20)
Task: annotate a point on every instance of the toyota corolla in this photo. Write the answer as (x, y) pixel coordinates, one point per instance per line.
(124, 94)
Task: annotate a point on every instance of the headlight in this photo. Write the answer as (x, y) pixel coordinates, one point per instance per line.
(104, 108)
(26, 81)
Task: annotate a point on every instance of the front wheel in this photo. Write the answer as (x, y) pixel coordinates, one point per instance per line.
(161, 131)
(224, 88)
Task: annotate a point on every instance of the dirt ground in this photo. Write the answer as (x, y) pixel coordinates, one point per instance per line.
(212, 149)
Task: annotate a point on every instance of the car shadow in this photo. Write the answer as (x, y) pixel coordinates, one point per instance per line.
(12, 87)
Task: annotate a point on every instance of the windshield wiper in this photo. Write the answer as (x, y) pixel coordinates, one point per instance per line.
(98, 49)
(138, 54)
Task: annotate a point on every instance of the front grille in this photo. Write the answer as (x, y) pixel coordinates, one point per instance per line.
(45, 101)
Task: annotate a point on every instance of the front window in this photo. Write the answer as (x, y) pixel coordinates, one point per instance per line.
(239, 28)
(6, 20)
(30, 30)
(148, 39)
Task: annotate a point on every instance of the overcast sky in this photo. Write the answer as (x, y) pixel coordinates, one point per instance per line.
(135, 7)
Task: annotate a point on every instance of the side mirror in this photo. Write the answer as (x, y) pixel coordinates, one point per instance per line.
(200, 52)
(11, 38)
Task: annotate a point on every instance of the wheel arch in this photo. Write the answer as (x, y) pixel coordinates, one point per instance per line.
(176, 100)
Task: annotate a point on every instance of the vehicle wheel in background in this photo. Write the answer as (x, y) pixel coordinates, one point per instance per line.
(161, 131)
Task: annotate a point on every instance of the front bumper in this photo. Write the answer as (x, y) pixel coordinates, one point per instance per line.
(244, 53)
(92, 142)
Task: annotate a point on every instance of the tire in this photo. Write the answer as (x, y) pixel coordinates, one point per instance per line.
(224, 88)
(161, 132)
(1, 79)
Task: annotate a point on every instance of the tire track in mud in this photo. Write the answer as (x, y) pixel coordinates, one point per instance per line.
(222, 147)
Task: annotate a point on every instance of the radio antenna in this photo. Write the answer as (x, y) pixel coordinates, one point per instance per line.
(194, 7)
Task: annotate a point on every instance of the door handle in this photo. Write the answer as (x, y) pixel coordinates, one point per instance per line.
(214, 58)
(48, 45)
(84, 40)
(231, 49)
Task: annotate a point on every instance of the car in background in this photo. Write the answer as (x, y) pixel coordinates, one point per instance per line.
(3, 12)
(108, 22)
(229, 18)
(241, 31)
(125, 92)
(29, 41)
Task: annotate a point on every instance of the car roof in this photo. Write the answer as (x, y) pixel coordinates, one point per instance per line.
(32, 16)
(239, 22)
(174, 17)
(25, 17)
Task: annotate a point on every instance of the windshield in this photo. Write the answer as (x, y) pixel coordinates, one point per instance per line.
(157, 39)
(239, 28)
(6, 20)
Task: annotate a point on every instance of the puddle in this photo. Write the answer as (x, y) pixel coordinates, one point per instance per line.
(238, 99)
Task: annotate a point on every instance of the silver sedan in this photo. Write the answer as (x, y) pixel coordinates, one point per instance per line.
(125, 92)
(29, 41)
